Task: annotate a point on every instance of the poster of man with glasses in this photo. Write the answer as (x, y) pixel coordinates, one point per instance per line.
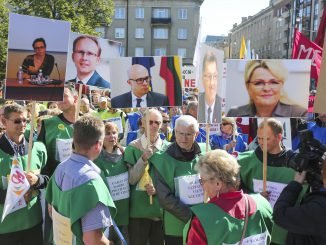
(153, 82)
(210, 81)
(90, 57)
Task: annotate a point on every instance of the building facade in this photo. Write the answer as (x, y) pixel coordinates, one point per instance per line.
(156, 28)
(271, 30)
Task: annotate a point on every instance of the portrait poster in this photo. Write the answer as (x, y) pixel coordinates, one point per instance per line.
(89, 59)
(146, 82)
(210, 72)
(267, 88)
(320, 100)
(36, 61)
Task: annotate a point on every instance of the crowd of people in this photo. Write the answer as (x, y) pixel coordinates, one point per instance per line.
(155, 177)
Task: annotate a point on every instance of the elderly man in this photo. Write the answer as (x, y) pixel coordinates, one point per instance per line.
(278, 175)
(77, 183)
(145, 224)
(86, 56)
(24, 225)
(176, 180)
(209, 101)
(140, 95)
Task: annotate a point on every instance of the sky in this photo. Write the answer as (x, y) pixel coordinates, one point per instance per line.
(218, 16)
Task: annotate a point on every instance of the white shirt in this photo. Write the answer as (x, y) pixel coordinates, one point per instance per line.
(134, 98)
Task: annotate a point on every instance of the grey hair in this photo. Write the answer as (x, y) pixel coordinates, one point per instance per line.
(187, 121)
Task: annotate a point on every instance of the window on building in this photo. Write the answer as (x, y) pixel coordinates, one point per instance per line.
(139, 33)
(120, 13)
(140, 13)
(182, 33)
(119, 32)
(161, 13)
(122, 51)
(139, 51)
(182, 14)
(160, 51)
(182, 52)
(101, 31)
(161, 33)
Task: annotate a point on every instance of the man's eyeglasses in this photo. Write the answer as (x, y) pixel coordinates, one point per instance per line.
(210, 76)
(37, 48)
(18, 121)
(82, 53)
(141, 80)
(273, 84)
(166, 121)
(156, 122)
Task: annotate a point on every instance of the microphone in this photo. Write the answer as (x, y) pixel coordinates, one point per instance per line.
(57, 82)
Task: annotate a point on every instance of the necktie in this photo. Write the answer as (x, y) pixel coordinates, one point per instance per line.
(80, 82)
(138, 102)
(209, 111)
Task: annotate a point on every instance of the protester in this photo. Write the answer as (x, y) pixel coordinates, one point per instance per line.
(111, 163)
(77, 180)
(176, 165)
(24, 225)
(166, 130)
(222, 220)
(145, 224)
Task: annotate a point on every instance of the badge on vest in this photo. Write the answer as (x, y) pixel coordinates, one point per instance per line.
(63, 149)
(260, 239)
(274, 188)
(62, 233)
(188, 189)
(119, 186)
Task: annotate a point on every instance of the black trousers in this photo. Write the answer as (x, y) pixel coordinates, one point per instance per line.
(145, 232)
(29, 236)
(173, 240)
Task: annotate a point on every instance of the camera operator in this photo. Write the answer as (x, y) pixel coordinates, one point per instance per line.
(306, 223)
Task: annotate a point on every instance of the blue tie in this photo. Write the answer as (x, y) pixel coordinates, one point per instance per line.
(138, 102)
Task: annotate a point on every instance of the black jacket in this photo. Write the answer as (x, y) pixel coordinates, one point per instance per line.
(306, 223)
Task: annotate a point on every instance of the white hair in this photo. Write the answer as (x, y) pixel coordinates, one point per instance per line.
(187, 121)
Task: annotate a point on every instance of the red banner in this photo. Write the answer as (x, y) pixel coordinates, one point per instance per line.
(303, 48)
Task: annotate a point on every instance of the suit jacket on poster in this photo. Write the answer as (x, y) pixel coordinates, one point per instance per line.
(201, 109)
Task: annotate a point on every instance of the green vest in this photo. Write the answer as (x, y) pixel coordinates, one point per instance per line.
(169, 168)
(140, 206)
(222, 228)
(252, 168)
(31, 215)
(55, 129)
(74, 205)
(111, 169)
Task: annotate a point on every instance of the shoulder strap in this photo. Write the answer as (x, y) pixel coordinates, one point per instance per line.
(246, 219)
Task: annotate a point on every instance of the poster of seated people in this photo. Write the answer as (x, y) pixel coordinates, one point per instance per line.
(141, 82)
(88, 60)
(36, 61)
(209, 73)
(267, 88)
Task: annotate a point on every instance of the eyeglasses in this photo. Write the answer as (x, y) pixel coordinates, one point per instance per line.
(188, 135)
(82, 53)
(203, 181)
(224, 124)
(273, 84)
(166, 121)
(18, 121)
(210, 76)
(156, 122)
(141, 80)
(41, 47)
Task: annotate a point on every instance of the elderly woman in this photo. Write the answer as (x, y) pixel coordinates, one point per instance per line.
(228, 138)
(32, 64)
(111, 163)
(264, 82)
(230, 216)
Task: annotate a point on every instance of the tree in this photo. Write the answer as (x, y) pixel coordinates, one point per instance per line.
(84, 16)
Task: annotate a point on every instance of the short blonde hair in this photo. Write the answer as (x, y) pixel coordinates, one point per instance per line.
(221, 165)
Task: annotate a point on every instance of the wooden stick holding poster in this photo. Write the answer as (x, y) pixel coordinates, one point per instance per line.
(146, 174)
(30, 139)
(264, 155)
(78, 101)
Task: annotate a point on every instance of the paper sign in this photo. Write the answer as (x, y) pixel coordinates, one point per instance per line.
(189, 190)
(189, 77)
(62, 233)
(117, 121)
(274, 188)
(119, 186)
(260, 239)
(64, 149)
(144, 180)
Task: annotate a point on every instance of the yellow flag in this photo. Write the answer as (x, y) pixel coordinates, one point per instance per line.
(243, 48)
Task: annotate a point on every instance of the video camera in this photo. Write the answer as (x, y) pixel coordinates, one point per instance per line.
(310, 158)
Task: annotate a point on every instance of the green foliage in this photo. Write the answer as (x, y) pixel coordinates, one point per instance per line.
(84, 16)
